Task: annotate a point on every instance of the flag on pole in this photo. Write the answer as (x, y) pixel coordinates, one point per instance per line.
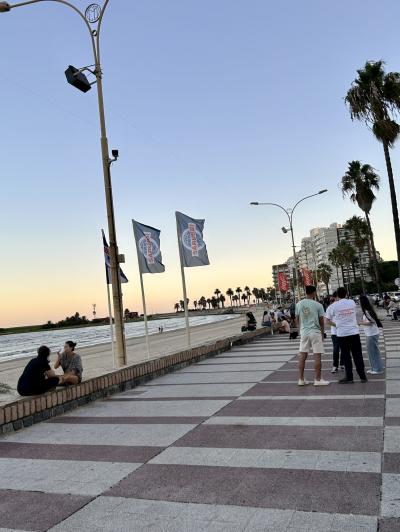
(148, 247)
(107, 260)
(307, 277)
(283, 283)
(190, 238)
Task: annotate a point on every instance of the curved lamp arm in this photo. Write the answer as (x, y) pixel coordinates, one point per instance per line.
(303, 199)
(68, 4)
(275, 205)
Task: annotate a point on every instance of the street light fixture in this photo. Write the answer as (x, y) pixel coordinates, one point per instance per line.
(92, 18)
(289, 214)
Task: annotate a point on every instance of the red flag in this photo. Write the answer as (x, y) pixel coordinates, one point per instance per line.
(283, 283)
(307, 277)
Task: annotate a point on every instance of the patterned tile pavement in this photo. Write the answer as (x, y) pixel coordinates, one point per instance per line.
(229, 444)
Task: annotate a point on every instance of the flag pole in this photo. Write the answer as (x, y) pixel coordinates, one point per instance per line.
(185, 305)
(146, 327)
(111, 325)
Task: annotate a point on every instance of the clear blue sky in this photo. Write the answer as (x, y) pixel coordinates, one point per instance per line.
(212, 105)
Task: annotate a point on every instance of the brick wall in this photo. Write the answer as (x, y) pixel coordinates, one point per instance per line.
(29, 410)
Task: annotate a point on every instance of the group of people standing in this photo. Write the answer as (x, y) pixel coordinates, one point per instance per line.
(341, 316)
(38, 377)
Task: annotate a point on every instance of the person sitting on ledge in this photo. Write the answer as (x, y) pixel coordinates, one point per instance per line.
(38, 377)
(71, 364)
(284, 326)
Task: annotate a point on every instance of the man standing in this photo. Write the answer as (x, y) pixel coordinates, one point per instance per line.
(310, 322)
(342, 315)
(335, 339)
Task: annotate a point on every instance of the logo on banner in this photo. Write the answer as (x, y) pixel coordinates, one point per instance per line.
(192, 239)
(149, 248)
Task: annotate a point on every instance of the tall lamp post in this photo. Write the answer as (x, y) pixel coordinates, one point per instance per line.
(93, 18)
(289, 213)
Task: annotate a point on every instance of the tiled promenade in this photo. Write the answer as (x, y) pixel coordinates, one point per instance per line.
(230, 444)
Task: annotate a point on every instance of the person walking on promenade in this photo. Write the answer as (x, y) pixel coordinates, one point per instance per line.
(38, 377)
(371, 325)
(71, 364)
(342, 315)
(335, 341)
(310, 323)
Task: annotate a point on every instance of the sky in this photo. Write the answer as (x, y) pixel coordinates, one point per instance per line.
(212, 105)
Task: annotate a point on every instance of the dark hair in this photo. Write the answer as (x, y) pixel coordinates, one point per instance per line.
(43, 351)
(367, 307)
(341, 292)
(71, 344)
(310, 289)
(334, 294)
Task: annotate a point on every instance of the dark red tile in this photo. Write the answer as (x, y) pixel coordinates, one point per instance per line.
(265, 488)
(307, 408)
(283, 437)
(358, 388)
(391, 463)
(33, 510)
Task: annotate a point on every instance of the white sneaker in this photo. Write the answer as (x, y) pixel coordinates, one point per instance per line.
(302, 382)
(372, 372)
(334, 369)
(321, 382)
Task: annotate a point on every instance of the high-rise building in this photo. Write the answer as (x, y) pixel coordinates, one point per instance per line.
(276, 268)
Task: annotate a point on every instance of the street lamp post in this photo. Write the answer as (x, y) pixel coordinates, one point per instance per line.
(289, 213)
(92, 18)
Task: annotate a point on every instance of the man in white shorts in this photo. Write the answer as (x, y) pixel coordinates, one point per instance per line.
(310, 323)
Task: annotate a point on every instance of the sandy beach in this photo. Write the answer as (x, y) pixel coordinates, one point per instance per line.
(97, 360)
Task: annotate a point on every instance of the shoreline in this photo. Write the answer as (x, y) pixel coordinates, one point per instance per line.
(27, 329)
(97, 360)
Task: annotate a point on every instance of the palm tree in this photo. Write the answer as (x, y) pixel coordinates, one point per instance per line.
(360, 183)
(374, 98)
(203, 302)
(360, 230)
(217, 291)
(235, 298)
(347, 256)
(222, 300)
(182, 304)
(256, 294)
(195, 304)
(238, 292)
(176, 307)
(244, 297)
(325, 273)
(230, 293)
(248, 292)
(335, 260)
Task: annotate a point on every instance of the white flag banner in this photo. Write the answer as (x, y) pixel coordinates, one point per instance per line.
(148, 248)
(192, 247)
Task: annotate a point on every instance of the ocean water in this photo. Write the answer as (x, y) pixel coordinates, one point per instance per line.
(26, 344)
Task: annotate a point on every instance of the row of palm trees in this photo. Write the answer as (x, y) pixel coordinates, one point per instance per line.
(236, 297)
(374, 98)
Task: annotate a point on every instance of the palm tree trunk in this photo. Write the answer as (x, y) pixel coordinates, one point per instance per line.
(361, 273)
(394, 202)
(374, 257)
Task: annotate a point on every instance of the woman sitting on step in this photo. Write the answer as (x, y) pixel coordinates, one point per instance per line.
(71, 364)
